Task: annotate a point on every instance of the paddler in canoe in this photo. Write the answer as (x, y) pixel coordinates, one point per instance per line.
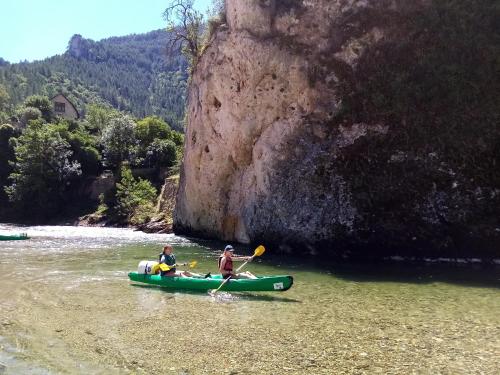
(147, 273)
(168, 257)
(226, 265)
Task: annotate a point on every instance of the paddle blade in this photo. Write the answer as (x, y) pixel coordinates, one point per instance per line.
(164, 267)
(259, 251)
(155, 269)
(192, 264)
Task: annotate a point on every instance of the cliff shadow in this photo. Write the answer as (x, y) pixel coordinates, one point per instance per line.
(414, 271)
(411, 270)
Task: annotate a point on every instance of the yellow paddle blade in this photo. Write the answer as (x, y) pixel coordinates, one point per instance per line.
(155, 269)
(259, 251)
(192, 264)
(164, 267)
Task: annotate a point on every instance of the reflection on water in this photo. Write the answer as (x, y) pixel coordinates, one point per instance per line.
(66, 306)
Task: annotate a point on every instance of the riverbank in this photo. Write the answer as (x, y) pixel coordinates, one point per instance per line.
(155, 225)
(158, 218)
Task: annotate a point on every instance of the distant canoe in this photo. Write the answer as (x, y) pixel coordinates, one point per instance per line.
(14, 237)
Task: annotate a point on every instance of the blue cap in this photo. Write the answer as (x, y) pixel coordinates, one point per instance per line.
(228, 248)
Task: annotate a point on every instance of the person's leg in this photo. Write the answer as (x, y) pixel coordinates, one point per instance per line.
(191, 274)
(247, 275)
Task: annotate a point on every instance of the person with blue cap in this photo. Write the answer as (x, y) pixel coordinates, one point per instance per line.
(226, 265)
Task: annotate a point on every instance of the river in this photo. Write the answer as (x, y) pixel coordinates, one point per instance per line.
(67, 307)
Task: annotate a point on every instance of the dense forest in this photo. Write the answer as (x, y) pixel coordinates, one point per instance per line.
(133, 74)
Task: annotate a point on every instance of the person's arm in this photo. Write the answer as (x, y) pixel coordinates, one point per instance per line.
(241, 258)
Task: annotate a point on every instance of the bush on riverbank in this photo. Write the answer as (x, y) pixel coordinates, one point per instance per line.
(135, 199)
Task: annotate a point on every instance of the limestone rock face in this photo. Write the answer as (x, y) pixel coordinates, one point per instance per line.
(265, 151)
(78, 46)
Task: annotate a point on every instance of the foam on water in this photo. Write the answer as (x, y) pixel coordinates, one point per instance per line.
(60, 239)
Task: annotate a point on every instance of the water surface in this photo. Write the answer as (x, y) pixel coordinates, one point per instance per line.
(66, 306)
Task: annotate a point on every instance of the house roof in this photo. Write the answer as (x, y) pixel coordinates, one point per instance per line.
(69, 101)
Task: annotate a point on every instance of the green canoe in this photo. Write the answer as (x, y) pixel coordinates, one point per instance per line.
(13, 237)
(261, 284)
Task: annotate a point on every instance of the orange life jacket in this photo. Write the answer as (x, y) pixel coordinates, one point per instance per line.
(228, 266)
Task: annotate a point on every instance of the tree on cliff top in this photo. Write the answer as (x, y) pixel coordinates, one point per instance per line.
(185, 25)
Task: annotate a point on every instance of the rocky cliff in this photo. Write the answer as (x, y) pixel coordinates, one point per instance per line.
(347, 128)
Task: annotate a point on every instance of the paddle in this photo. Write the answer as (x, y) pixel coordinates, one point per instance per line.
(257, 253)
(191, 264)
(164, 267)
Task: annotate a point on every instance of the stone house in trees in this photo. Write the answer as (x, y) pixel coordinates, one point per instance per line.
(64, 108)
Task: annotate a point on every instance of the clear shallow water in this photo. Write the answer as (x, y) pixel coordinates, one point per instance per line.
(66, 306)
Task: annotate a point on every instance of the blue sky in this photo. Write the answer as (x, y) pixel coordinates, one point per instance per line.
(35, 29)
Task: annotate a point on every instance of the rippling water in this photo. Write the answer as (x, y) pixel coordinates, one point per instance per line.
(66, 306)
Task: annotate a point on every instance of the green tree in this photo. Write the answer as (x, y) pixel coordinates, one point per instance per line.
(98, 116)
(135, 199)
(117, 139)
(42, 170)
(161, 153)
(90, 159)
(43, 103)
(4, 118)
(186, 25)
(151, 128)
(7, 155)
(4, 98)
(177, 138)
(27, 114)
(82, 144)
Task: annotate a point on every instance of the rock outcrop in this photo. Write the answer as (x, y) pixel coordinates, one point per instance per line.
(78, 47)
(299, 135)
